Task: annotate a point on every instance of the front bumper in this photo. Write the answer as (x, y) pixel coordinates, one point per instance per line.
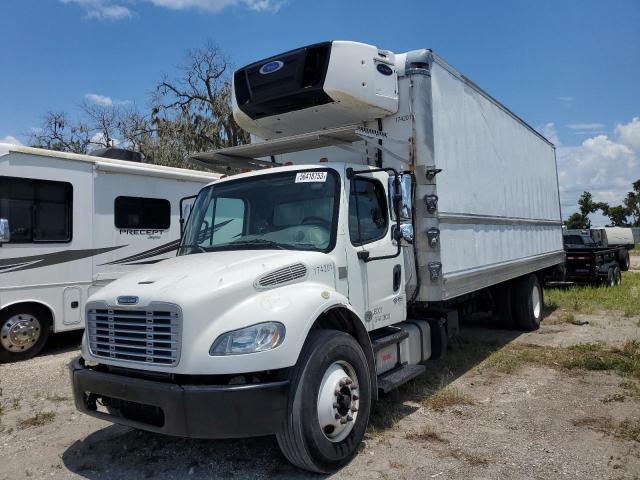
(195, 411)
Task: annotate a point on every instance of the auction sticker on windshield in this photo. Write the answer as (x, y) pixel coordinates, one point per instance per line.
(304, 177)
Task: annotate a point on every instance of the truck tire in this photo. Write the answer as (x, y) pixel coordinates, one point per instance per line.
(329, 403)
(617, 276)
(623, 260)
(24, 330)
(527, 302)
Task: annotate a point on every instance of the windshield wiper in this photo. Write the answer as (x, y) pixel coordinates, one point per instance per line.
(258, 241)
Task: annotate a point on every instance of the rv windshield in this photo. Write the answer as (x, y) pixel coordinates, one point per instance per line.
(294, 210)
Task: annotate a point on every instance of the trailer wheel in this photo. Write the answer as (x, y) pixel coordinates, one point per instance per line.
(24, 330)
(624, 261)
(329, 403)
(610, 281)
(528, 302)
(617, 276)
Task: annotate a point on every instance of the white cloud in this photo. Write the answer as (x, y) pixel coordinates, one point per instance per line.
(586, 126)
(10, 139)
(104, 100)
(629, 134)
(102, 9)
(603, 166)
(98, 141)
(566, 99)
(548, 130)
(111, 10)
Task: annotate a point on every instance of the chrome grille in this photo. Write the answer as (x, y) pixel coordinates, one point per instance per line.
(149, 335)
(287, 274)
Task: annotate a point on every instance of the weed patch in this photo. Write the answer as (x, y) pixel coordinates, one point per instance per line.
(428, 434)
(627, 429)
(446, 397)
(39, 419)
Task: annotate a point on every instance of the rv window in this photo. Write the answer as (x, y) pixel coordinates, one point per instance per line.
(37, 210)
(367, 211)
(138, 212)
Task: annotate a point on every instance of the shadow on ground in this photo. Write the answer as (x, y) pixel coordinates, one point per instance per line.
(117, 452)
(62, 343)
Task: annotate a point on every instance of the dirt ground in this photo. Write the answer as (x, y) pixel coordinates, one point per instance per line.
(534, 422)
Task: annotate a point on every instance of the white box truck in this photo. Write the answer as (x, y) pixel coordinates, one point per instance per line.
(391, 196)
(70, 224)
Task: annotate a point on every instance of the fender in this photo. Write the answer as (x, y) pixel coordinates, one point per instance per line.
(32, 301)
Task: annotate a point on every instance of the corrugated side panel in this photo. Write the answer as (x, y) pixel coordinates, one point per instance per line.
(492, 166)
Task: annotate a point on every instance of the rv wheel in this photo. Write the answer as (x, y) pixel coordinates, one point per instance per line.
(23, 332)
(528, 302)
(329, 403)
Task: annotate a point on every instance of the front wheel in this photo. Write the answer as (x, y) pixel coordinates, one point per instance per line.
(23, 332)
(329, 403)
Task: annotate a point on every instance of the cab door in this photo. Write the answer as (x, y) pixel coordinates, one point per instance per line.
(377, 285)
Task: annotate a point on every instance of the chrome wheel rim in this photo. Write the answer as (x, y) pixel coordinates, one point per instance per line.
(338, 401)
(20, 332)
(536, 301)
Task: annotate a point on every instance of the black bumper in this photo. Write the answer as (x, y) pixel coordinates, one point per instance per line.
(196, 411)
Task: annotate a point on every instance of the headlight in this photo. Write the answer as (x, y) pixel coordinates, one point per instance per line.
(256, 338)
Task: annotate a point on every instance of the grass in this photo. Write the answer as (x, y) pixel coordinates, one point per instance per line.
(39, 419)
(427, 434)
(57, 398)
(589, 356)
(589, 299)
(446, 397)
(635, 251)
(627, 429)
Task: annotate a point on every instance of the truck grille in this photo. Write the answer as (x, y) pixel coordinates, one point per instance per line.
(149, 335)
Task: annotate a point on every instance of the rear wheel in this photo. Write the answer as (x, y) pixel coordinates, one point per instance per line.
(23, 332)
(623, 260)
(329, 403)
(527, 302)
(617, 276)
(610, 280)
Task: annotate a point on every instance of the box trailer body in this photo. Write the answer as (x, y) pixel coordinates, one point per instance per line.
(390, 196)
(76, 223)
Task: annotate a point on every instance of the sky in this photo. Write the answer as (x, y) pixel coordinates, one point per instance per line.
(570, 68)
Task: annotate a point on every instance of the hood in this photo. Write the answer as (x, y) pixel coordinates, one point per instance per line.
(176, 279)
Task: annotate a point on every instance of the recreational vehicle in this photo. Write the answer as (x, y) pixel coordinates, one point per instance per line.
(403, 197)
(70, 224)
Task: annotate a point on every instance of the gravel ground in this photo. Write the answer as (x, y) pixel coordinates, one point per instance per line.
(536, 422)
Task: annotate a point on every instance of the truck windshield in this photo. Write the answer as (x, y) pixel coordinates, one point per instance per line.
(294, 210)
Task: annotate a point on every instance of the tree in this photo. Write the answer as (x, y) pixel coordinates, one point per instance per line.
(577, 221)
(632, 204)
(617, 215)
(59, 133)
(102, 122)
(196, 106)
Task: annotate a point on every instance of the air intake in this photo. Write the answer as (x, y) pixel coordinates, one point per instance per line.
(282, 276)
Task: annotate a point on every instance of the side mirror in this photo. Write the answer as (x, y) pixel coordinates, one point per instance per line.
(5, 236)
(405, 207)
(405, 234)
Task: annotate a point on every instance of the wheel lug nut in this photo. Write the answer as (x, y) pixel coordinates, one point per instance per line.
(343, 421)
(337, 416)
(354, 409)
(337, 392)
(341, 383)
(353, 387)
(355, 396)
(348, 381)
(349, 418)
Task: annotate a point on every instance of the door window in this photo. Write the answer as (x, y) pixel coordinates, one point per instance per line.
(367, 211)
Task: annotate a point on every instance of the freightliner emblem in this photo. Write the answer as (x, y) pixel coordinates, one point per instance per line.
(128, 300)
